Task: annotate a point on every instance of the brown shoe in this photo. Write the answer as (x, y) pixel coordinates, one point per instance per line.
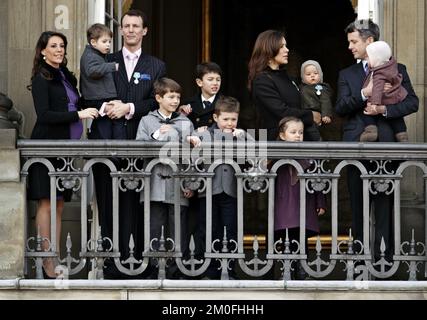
(402, 136)
(370, 134)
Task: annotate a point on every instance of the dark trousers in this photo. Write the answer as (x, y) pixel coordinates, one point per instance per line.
(383, 205)
(163, 214)
(131, 218)
(224, 213)
(106, 128)
(397, 124)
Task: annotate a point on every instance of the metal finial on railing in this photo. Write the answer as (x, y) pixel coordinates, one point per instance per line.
(99, 241)
(192, 262)
(68, 243)
(225, 241)
(382, 262)
(162, 240)
(256, 261)
(68, 260)
(412, 245)
(287, 243)
(162, 254)
(318, 262)
(350, 243)
(39, 239)
(131, 260)
(382, 248)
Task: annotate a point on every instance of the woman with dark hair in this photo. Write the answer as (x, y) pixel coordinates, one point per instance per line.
(56, 102)
(274, 93)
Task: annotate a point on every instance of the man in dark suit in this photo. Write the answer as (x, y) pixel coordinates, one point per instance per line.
(134, 84)
(351, 102)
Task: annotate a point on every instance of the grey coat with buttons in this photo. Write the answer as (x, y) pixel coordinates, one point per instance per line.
(162, 181)
(224, 179)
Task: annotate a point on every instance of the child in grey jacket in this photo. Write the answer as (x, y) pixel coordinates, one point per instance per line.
(97, 82)
(224, 183)
(165, 124)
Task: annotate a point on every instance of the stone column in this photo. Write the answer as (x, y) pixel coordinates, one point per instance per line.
(3, 47)
(404, 28)
(12, 208)
(25, 19)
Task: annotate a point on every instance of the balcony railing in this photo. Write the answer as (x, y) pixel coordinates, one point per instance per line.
(249, 160)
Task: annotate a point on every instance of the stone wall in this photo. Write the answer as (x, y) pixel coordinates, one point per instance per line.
(3, 47)
(12, 208)
(404, 29)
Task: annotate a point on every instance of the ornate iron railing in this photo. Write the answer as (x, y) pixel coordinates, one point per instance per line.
(329, 159)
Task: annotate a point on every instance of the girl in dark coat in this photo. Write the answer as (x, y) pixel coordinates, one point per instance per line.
(287, 194)
(56, 98)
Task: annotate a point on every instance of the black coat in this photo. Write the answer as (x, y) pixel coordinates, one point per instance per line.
(140, 94)
(53, 122)
(276, 96)
(199, 115)
(350, 104)
(51, 105)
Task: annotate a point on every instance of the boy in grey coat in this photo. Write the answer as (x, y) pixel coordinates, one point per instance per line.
(165, 124)
(97, 82)
(224, 183)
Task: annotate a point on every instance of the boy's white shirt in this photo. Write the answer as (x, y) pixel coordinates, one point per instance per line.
(211, 99)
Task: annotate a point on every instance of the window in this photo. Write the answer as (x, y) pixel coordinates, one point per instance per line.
(368, 9)
(113, 14)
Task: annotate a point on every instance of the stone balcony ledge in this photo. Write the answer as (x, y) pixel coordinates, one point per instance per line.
(211, 289)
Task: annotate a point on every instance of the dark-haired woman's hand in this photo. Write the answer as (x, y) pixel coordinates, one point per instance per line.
(89, 113)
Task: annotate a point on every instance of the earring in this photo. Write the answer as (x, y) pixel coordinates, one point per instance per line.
(44, 57)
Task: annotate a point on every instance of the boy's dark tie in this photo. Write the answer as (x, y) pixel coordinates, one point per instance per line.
(171, 119)
(207, 104)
